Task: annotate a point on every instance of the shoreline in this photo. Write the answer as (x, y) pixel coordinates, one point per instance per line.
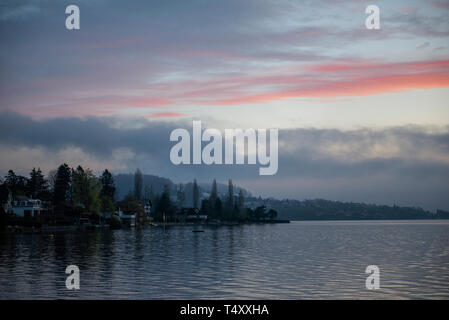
(10, 230)
(75, 228)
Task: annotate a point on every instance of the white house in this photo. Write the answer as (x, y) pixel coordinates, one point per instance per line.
(127, 219)
(27, 208)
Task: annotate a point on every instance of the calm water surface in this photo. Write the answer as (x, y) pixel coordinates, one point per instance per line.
(300, 260)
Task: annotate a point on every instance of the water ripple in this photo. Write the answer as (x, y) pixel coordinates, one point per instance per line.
(301, 260)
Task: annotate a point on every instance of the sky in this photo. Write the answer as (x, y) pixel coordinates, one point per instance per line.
(363, 115)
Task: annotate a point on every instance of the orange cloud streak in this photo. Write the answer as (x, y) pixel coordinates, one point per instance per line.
(354, 87)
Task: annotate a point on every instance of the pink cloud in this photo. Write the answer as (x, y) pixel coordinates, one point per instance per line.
(325, 81)
(165, 115)
(359, 66)
(347, 88)
(321, 81)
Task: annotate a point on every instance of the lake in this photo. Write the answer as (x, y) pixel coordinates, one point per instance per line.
(300, 260)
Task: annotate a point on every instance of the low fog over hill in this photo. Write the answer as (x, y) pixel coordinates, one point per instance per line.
(125, 185)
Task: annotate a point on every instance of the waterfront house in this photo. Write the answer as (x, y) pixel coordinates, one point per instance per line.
(27, 207)
(127, 219)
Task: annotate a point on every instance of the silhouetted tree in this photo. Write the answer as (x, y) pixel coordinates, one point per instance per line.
(107, 185)
(164, 205)
(259, 212)
(86, 190)
(213, 192)
(230, 193)
(11, 179)
(272, 214)
(107, 193)
(229, 207)
(205, 207)
(16, 183)
(37, 185)
(62, 184)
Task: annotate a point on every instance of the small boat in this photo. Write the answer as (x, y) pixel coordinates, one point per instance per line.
(197, 230)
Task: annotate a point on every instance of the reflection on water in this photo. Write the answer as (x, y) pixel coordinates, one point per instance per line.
(301, 260)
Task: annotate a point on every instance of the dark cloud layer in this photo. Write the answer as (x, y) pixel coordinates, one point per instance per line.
(412, 163)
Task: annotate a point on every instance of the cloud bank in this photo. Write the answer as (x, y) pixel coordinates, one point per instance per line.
(404, 165)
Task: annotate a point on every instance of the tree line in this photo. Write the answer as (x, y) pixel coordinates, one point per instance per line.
(229, 207)
(77, 187)
(76, 190)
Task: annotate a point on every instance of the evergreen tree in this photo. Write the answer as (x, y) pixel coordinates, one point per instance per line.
(230, 194)
(214, 192)
(107, 184)
(16, 183)
(37, 185)
(205, 207)
(11, 180)
(164, 205)
(107, 194)
(230, 201)
(32, 185)
(62, 184)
